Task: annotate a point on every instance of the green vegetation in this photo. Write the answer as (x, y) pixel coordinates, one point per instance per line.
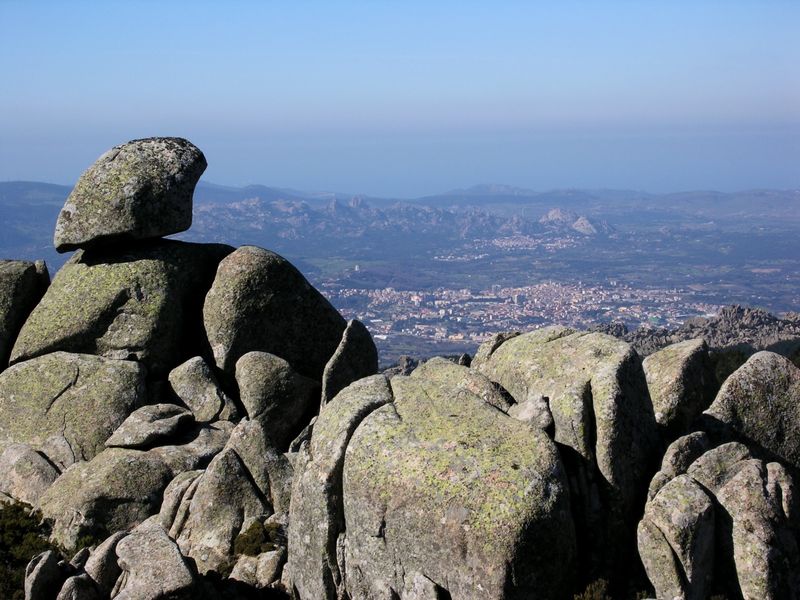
(22, 536)
(596, 590)
(258, 538)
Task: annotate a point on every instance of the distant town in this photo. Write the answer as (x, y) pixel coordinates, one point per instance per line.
(464, 319)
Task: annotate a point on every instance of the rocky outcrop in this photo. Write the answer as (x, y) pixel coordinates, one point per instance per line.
(22, 285)
(594, 387)
(424, 477)
(134, 304)
(356, 357)
(733, 335)
(274, 394)
(260, 302)
(749, 549)
(198, 388)
(25, 474)
(202, 423)
(67, 405)
(760, 404)
(138, 190)
(145, 405)
(682, 384)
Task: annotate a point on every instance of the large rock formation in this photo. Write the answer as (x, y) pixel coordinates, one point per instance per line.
(760, 404)
(424, 477)
(139, 190)
(682, 384)
(260, 302)
(67, 405)
(725, 523)
(591, 387)
(138, 303)
(122, 410)
(211, 420)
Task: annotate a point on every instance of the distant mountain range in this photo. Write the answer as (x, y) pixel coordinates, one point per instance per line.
(320, 223)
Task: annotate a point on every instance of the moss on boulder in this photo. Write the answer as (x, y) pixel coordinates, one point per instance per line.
(442, 483)
(261, 302)
(68, 404)
(141, 303)
(760, 404)
(138, 190)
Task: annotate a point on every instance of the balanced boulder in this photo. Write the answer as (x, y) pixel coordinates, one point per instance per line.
(142, 303)
(138, 190)
(260, 301)
(68, 405)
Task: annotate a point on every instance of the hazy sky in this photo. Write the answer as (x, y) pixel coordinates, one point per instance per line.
(411, 97)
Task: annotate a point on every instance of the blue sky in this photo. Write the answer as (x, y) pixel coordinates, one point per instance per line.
(409, 98)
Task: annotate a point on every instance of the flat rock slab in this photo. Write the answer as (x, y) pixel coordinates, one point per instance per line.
(149, 425)
(21, 287)
(138, 190)
(75, 398)
(137, 304)
(260, 302)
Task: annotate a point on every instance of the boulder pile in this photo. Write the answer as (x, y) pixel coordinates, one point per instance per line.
(197, 421)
